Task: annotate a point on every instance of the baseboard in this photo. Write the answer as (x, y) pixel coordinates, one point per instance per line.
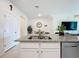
(10, 48)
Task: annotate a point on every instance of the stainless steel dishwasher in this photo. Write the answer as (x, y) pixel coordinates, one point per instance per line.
(70, 50)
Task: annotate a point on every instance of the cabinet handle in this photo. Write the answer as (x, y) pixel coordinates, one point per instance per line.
(37, 51)
(74, 46)
(41, 51)
(70, 46)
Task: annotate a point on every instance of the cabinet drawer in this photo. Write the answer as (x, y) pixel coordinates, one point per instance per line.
(50, 45)
(29, 45)
(28, 53)
(50, 53)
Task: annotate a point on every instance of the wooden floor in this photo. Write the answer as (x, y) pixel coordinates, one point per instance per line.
(12, 53)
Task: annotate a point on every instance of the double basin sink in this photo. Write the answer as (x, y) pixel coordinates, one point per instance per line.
(39, 37)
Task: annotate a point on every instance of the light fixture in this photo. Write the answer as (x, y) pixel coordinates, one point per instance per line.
(39, 14)
(10, 4)
(11, 7)
(37, 7)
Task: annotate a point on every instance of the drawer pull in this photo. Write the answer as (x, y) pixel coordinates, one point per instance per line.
(37, 51)
(70, 46)
(74, 46)
(41, 51)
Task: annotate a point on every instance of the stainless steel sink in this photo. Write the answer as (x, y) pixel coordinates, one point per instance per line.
(39, 37)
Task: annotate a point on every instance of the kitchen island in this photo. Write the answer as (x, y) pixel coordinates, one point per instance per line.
(44, 48)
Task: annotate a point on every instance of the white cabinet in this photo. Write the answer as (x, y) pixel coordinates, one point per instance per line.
(50, 53)
(29, 53)
(28, 50)
(50, 50)
(41, 50)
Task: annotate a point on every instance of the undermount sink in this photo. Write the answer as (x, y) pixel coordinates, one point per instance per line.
(39, 37)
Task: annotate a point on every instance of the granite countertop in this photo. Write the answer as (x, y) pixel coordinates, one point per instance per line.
(55, 38)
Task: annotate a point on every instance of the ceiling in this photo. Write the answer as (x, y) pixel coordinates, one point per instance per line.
(47, 7)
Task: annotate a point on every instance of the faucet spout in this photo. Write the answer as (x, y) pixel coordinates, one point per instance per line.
(40, 34)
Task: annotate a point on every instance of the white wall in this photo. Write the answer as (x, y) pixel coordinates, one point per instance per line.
(5, 10)
(10, 25)
(57, 19)
(58, 9)
(53, 22)
(45, 20)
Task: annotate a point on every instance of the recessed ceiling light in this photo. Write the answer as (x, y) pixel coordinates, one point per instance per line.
(39, 14)
(36, 6)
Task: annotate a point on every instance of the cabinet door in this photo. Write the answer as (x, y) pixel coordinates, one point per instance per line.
(28, 53)
(50, 53)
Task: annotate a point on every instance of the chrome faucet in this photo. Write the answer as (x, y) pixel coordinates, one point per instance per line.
(40, 34)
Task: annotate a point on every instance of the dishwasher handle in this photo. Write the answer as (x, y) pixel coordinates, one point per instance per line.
(72, 46)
